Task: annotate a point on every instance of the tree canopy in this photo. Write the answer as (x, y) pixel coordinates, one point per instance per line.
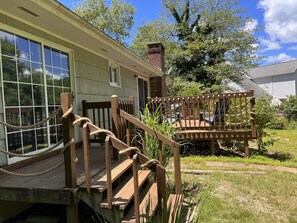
(115, 20)
(208, 40)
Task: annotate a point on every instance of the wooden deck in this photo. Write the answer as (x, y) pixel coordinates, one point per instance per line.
(49, 187)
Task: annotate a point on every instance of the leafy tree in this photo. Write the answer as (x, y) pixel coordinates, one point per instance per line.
(210, 40)
(115, 20)
(182, 87)
(289, 107)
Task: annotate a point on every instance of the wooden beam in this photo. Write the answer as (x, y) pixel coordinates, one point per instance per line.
(34, 195)
(212, 147)
(69, 155)
(246, 148)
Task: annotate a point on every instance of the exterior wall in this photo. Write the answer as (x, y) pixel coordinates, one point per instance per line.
(89, 74)
(279, 86)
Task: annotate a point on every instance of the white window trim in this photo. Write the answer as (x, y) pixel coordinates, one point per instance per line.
(117, 67)
(43, 42)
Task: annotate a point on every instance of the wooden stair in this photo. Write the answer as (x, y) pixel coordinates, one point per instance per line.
(123, 190)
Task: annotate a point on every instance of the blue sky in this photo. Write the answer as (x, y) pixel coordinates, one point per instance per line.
(277, 41)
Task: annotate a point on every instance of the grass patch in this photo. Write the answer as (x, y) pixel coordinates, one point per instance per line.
(201, 160)
(243, 198)
(285, 141)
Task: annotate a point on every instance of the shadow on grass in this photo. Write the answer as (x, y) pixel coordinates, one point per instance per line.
(228, 149)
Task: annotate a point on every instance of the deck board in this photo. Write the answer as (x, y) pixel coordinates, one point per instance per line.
(52, 183)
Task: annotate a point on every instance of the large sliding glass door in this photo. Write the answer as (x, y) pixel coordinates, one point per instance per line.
(33, 76)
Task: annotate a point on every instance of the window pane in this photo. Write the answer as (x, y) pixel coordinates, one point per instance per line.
(53, 135)
(12, 117)
(64, 58)
(29, 143)
(47, 56)
(50, 95)
(50, 111)
(14, 142)
(37, 73)
(57, 74)
(26, 94)
(66, 79)
(38, 92)
(49, 75)
(56, 58)
(7, 43)
(57, 95)
(41, 135)
(11, 95)
(60, 132)
(35, 50)
(9, 69)
(22, 45)
(40, 114)
(24, 71)
(27, 116)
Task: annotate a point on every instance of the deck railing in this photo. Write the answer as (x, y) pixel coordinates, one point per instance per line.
(127, 124)
(228, 111)
(100, 113)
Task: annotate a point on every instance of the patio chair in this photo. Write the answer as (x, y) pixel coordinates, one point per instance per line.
(222, 107)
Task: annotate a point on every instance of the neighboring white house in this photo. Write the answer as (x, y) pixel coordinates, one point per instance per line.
(279, 80)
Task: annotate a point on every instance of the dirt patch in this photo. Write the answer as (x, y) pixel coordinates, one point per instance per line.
(250, 166)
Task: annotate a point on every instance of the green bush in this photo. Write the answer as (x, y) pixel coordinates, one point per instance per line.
(289, 108)
(264, 114)
(158, 122)
(278, 123)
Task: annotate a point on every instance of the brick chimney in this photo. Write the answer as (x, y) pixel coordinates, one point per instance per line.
(156, 53)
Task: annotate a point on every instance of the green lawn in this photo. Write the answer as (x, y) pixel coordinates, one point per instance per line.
(222, 197)
(285, 141)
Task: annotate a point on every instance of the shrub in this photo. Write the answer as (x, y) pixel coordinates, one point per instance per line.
(264, 114)
(157, 121)
(289, 107)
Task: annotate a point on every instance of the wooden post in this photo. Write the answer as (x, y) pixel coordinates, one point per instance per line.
(253, 114)
(108, 172)
(212, 147)
(86, 145)
(177, 170)
(246, 148)
(162, 200)
(132, 98)
(160, 153)
(69, 155)
(115, 121)
(136, 190)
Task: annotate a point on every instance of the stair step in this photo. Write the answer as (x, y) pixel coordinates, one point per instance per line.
(123, 194)
(150, 198)
(174, 203)
(116, 172)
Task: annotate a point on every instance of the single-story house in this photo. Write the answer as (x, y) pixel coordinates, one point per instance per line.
(46, 49)
(278, 80)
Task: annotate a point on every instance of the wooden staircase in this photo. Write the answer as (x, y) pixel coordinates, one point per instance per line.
(122, 199)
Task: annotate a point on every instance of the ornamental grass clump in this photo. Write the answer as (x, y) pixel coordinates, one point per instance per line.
(157, 120)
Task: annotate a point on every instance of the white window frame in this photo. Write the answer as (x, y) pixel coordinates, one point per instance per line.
(113, 65)
(43, 42)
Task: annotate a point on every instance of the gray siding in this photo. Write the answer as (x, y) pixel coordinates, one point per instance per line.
(279, 86)
(91, 74)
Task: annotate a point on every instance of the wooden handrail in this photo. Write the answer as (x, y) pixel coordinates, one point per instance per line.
(209, 112)
(162, 138)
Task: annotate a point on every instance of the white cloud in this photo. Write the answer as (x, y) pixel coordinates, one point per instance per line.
(251, 25)
(292, 48)
(282, 57)
(281, 19)
(269, 45)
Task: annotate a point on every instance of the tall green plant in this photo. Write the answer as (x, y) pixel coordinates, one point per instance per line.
(264, 114)
(289, 107)
(157, 120)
